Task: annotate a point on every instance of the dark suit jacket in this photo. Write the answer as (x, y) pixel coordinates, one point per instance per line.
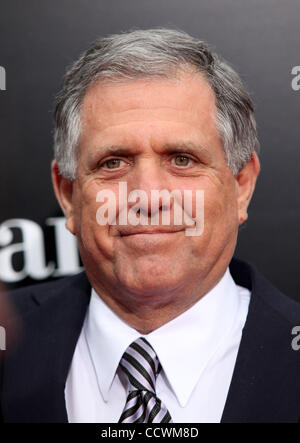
(266, 381)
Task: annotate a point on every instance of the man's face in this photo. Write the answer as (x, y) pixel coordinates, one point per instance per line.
(153, 134)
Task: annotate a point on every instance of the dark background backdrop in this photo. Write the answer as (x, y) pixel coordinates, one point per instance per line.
(38, 39)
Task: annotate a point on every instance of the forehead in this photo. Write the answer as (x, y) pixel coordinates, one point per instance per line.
(186, 99)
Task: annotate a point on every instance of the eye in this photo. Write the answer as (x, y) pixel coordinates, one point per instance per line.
(112, 163)
(181, 160)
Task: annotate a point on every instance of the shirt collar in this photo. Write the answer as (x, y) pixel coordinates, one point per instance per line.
(184, 345)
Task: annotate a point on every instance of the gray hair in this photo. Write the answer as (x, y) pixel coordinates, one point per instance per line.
(154, 53)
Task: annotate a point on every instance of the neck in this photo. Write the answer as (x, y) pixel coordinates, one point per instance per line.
(147, 312)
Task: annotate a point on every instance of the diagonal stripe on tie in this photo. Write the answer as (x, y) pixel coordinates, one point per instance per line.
(132, 410)
(135, 377)
(141, 366)
(146, 376)
(144, 353)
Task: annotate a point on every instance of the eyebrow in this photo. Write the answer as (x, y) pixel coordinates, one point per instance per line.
(179, 146)
(116, 149)
(188, 146)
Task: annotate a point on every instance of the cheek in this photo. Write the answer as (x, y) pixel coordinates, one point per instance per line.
(217, 198)
(85, 211)
(95, 239)
(220, 208)
(87, 199)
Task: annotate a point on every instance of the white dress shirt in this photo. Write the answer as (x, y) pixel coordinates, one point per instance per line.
(197, 351)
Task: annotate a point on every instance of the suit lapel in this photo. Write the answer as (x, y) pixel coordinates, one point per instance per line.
(35, 375)
(259, 384)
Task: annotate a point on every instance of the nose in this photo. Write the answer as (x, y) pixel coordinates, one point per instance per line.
(145, 186)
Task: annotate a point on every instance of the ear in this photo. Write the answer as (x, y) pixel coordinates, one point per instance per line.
(246, 180)
(63, 189)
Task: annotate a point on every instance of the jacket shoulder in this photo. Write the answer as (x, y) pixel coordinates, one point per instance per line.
(246, 274)
(23, 299)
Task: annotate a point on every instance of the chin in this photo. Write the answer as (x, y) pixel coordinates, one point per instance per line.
(151, 278)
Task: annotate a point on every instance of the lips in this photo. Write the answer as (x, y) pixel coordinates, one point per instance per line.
(127, 231)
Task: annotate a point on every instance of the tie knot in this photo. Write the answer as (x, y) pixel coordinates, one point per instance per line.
(141, 365)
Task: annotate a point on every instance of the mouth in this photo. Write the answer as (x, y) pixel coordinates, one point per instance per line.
(149, 231)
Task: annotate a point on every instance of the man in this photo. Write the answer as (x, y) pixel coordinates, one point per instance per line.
(163, 326)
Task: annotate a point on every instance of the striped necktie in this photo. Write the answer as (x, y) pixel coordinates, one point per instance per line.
(141, 366)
